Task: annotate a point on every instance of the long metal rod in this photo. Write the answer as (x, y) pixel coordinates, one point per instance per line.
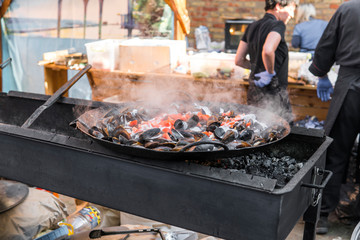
(4, 64)
(64, 88)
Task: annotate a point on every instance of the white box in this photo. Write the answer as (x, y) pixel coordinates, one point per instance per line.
(151, 55)
(104, 54)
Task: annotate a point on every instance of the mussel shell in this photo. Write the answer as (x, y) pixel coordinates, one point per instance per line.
(259, 142)
(149, 135)
(187, 134)
(243, 144)
(96, 132)
(219, 133)
(176, 135)
(180, 125)
(246, 135)
(193, 121)
(229, 136)
(212, 125)
(240, 125)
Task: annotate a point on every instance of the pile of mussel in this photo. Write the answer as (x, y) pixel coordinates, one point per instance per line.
(152, 129)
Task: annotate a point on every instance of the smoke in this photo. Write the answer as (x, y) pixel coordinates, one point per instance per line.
(160, 90)
(278, 104)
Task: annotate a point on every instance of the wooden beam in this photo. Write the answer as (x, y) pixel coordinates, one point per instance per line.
(4, 7)
(182, 20)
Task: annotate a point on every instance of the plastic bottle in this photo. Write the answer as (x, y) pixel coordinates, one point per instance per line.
(86, 219)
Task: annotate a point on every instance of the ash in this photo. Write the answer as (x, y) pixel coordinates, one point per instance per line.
(281, 168)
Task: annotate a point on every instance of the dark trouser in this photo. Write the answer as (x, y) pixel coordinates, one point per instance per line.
(343, 132)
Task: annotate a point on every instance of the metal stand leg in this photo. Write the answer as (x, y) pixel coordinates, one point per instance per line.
(310, 217)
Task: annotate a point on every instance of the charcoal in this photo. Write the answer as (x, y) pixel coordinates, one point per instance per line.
(280, 167)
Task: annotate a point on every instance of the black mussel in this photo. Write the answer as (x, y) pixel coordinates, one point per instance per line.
(182, 143)
(193, 121)
(229, 136)
(240, 125)
(243, 144)
(163, 149)
(120, 139)
(212, 125)
(259, 142)
(168, 144)
(112, 112)
(125, 134)
(172, 137)
(273, 133)
(198, 136)
(119, 130)
(130, 142)
(96, 132)
(180, 125)
(151, 145)
(204, 147)
(176, 135)
(246, 135)
(219, 133)
(149, 135)
(187, 134)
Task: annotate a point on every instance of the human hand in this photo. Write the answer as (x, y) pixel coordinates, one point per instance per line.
(265, 78)
(324, 89)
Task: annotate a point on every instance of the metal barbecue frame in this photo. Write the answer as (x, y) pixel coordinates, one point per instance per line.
(53, 156)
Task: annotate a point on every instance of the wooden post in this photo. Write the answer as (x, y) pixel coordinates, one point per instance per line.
(182, 20)
(5, 5)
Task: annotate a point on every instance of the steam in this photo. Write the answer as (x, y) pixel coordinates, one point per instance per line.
(158, 90)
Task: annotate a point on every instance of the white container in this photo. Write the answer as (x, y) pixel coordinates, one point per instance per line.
(104, 54)
(151, 55)
(208, 64)
(296, 59)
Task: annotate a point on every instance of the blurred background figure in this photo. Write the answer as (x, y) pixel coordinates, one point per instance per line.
(308, 30)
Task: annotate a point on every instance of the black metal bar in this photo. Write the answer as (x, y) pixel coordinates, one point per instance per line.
(324, 182)
(4, 64)
(55, 96)
(310, 217)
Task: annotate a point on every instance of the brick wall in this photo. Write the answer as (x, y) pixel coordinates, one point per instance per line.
(212, 14)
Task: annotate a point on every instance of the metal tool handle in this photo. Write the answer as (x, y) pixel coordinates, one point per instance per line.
(4, 64)
(324, 182)
(226, 148)
(55, 96)
(98, 232)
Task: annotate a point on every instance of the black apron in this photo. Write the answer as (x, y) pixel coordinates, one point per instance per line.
(273, 97)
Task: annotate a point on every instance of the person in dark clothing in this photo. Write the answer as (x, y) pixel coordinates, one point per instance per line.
(339, 43)
(264, 41)
(308, 30)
